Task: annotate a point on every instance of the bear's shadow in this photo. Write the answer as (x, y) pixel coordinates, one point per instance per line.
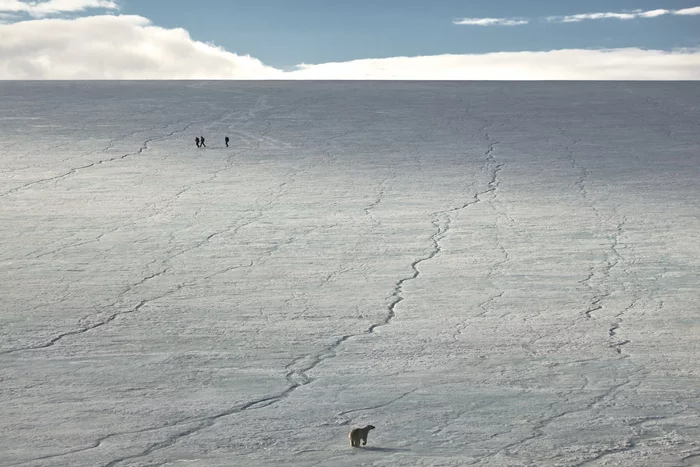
(380, 449)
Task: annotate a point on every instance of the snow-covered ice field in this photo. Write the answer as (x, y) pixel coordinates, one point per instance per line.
(492, 274)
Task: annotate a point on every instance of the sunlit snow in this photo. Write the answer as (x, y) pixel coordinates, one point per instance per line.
(491, 274)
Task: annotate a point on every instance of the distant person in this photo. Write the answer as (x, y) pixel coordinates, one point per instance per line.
(201, 142)
(196, 140)
(227, 140)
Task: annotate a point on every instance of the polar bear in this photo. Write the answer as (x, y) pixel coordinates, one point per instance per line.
(358, 434)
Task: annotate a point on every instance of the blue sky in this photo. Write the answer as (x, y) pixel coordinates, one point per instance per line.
(284, 33)
(350, 39)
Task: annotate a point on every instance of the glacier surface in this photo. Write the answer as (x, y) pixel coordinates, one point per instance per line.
(490, 273)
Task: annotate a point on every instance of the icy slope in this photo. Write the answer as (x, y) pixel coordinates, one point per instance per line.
(490, 273)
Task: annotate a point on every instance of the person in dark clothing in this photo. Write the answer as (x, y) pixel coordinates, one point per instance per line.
(196, 140)
(227, 140)
(201, 142)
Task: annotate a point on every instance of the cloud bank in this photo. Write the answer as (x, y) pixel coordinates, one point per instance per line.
(130, 47)
(571, 64)
(116, 47)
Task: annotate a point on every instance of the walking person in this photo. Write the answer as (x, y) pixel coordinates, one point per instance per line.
(201, 142)
(196, 140)
(227, 140)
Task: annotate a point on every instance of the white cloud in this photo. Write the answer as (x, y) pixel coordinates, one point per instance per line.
(586, 16)
(572, 64)
(130, 47)
(654, 13)
(628, 15)
(115, 47)
(491, 21)
(688, 11)
(53, 7)
(623, 16)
